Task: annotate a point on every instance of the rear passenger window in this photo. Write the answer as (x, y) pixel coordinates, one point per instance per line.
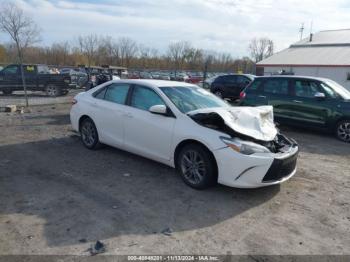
(117, 93)
(276, 86)
(100, 93)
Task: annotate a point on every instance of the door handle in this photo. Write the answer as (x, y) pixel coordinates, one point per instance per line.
(298, 101)
(262, 96)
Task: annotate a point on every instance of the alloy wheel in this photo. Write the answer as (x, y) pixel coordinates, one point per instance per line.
(88, 134)
(218, 94)
(343, 131)
(193, 167)
(51, 91)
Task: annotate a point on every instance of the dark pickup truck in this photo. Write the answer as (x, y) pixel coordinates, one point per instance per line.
(37, 77)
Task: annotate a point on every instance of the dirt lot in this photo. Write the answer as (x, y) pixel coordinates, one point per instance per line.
(56, 197)
(35, 98)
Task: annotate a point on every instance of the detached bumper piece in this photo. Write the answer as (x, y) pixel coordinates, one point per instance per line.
(281, 168)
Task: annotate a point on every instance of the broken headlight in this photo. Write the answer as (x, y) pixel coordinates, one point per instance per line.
(244, 147)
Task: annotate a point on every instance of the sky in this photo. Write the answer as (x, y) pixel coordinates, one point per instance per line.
(218, 25)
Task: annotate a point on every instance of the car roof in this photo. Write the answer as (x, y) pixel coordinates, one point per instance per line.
(293, 77)
(153, 82)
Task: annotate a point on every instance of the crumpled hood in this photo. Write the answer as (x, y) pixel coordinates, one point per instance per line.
(255, 122)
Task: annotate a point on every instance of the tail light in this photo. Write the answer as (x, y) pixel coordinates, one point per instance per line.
(242, 95)
(74, 101)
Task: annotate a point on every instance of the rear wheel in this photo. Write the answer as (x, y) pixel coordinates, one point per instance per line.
(89, 135)
(197, 166)
(7, 92)
(343, 131)
(53, 91)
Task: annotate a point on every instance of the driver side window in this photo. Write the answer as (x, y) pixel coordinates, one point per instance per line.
(304, 88)
(144, 98)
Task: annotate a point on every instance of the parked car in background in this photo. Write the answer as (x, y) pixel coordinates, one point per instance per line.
(178, 76)
(160, 75)
(78, 78)
(312, 102)
(188, 128)
(207, 82)
(230, 85)
(194, 77)
(38, 78)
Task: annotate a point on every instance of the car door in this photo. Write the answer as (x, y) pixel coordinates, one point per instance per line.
(9, 78)
(146, 133)
(108, 111)
(277, 93)
(30, 75)
(308, 109)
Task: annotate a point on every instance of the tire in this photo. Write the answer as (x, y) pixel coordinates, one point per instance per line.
(197, 166)
(343, 131)
(7, 92)
(53, 91)
(89, 134)
(218, 93)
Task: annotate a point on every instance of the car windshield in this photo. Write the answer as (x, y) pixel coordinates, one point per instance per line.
(342, 91)
(188, 99)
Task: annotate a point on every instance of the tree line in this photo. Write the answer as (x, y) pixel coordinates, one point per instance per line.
(94, 50)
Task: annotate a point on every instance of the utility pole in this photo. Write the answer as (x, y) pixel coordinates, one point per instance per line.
(301, 31)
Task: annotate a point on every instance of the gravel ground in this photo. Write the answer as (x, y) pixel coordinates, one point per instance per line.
(56, 197)
(36, 98)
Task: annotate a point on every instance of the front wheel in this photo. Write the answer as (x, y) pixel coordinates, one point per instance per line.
(343, 131)
(53, 91)
(197, 166)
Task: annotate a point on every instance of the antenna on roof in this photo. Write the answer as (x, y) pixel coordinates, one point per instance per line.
(311, 34)
(301, 31)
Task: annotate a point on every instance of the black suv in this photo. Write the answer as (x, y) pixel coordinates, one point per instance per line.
(230, 86)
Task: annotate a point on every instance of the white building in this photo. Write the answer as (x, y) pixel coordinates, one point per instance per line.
(324, 54)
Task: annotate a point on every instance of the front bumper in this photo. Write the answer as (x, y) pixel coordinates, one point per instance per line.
(257, 170)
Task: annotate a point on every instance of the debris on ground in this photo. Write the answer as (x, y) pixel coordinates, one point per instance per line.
(82, 240)
(8, 109)
(126, 174)
(132, 244)
(30, 237)
(167, 231)
(98, 248)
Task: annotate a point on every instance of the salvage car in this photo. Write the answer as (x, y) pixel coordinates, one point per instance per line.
(308, 102)
(38, 78)
(188, 128)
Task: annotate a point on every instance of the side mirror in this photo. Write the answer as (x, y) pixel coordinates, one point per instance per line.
(320, 96)
(158, 109)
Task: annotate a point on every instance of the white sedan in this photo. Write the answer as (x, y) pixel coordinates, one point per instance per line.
(188, 128)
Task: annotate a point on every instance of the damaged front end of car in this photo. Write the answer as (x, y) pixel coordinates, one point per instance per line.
(246, 127)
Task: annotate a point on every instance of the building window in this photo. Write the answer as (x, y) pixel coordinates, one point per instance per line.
(348, 76)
